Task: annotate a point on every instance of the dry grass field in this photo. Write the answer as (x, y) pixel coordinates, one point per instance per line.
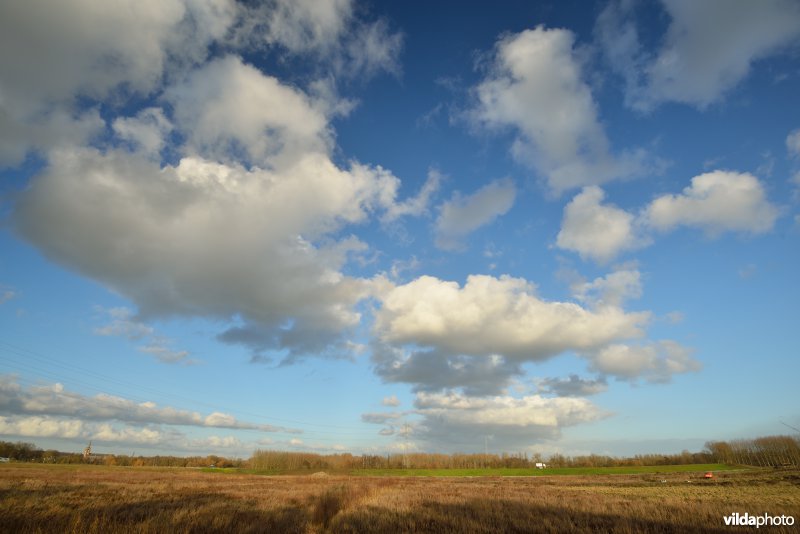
(37, 498)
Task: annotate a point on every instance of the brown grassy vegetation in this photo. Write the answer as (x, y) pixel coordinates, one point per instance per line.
(37, 498)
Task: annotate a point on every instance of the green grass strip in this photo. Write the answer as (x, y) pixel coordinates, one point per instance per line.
(505, 472)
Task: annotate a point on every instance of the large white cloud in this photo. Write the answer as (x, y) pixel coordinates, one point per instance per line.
(717, 202)
(219, 196)
(51, 53)
(502, 316)
(460, 216)
(536, 87)
(595, 230)
(208, 239)
(438, 335)
(709, 47)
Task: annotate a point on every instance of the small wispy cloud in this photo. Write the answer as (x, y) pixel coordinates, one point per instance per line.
(6, 294)
(124, 324)
(391, 401)
(462, 215)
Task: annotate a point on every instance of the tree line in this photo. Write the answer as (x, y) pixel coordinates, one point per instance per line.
(767, 451)
(28, 452)
(267, 460)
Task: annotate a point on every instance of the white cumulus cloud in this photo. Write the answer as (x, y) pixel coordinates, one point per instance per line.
(52, 53)
(437, 335)
(208, 239)
(595, 230)
(717, 202)
(708, 48)
(536, 87)
(502, 316)
(239, 226)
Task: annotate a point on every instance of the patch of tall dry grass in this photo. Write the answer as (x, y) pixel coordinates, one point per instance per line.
(109, 500)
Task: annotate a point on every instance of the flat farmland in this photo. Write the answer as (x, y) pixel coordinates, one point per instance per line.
(550, 471)
(85, 498)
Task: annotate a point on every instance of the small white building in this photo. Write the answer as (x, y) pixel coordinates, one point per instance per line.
(541, 465)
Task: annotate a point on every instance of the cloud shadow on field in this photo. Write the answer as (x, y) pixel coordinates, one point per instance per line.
(182, 511)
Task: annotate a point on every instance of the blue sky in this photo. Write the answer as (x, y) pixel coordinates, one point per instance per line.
(349, 226)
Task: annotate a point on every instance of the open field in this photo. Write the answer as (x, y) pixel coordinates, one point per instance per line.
(550, 471)
(38, 498)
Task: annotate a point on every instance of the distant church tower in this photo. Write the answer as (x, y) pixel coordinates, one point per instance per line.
(87, 452)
